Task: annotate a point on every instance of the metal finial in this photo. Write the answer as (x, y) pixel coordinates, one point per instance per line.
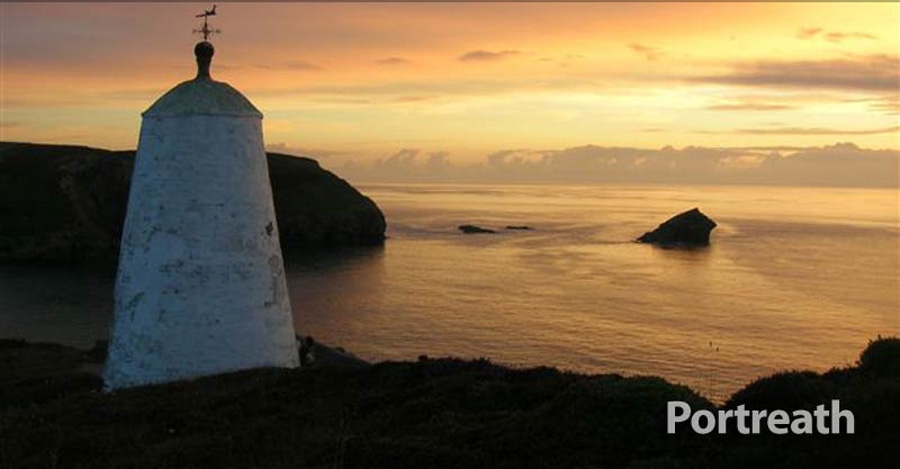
(204, 52)
(206, 30)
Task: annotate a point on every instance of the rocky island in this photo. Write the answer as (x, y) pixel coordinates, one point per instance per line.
(67, 203)
(691, 228)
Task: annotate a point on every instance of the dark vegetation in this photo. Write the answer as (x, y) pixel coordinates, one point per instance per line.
(61, 202)
(430, 413)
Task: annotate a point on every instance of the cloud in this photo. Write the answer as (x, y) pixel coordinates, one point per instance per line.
(807, 33)
(437, 161)
(521, 158)
(389, 90)
(842, 164)
(399, 161)
(839, 165)
(750, 106)
(487, 56)
(649, 53)
(286, 149)
(889, 104)
(832, 36)
(860, 73)
(840, 37)
(291, 65)
(816, 131)
(412, 99)
(393, 61)
(563, 60)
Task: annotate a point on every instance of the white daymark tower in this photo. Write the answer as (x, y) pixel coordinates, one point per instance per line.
(200, 288)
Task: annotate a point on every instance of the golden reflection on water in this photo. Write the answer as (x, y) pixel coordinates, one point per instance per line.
(795, 278)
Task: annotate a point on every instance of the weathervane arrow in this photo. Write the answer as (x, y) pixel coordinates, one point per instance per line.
(205, 30)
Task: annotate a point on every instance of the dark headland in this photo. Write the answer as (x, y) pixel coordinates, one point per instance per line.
(67, 203)
(433, 413)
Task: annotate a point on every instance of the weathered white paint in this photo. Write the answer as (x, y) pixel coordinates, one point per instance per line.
(200, 288)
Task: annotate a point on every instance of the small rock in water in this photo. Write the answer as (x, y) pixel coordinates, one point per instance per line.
(688, 228)
(472, 229)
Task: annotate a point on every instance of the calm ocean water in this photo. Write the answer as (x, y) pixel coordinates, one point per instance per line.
(796, 278)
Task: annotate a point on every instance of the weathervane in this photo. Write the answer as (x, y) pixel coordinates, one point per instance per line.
(205, 30)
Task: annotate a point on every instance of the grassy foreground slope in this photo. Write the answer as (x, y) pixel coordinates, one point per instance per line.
(430, 413)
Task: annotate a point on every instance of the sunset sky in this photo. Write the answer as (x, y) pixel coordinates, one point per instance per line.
(360, 82)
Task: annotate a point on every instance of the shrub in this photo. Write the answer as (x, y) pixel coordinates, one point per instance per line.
(881, 357)
(787, 390)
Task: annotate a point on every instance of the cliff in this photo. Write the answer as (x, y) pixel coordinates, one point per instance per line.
(62, 202)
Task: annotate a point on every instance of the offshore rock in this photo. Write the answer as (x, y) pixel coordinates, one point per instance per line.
(688, 228)
(472, 229)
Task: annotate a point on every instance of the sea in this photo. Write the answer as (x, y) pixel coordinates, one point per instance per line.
(795, 278)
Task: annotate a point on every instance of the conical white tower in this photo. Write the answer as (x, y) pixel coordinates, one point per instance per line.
(200, 288)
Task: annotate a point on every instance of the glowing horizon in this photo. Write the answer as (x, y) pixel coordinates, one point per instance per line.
(467, 80)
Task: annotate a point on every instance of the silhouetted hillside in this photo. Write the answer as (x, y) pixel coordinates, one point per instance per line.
(430, 413)
(60, 202)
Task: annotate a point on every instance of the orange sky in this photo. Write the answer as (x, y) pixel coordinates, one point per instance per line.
(468, 79)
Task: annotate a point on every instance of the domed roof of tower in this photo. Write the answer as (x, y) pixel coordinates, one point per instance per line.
(203, 95)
